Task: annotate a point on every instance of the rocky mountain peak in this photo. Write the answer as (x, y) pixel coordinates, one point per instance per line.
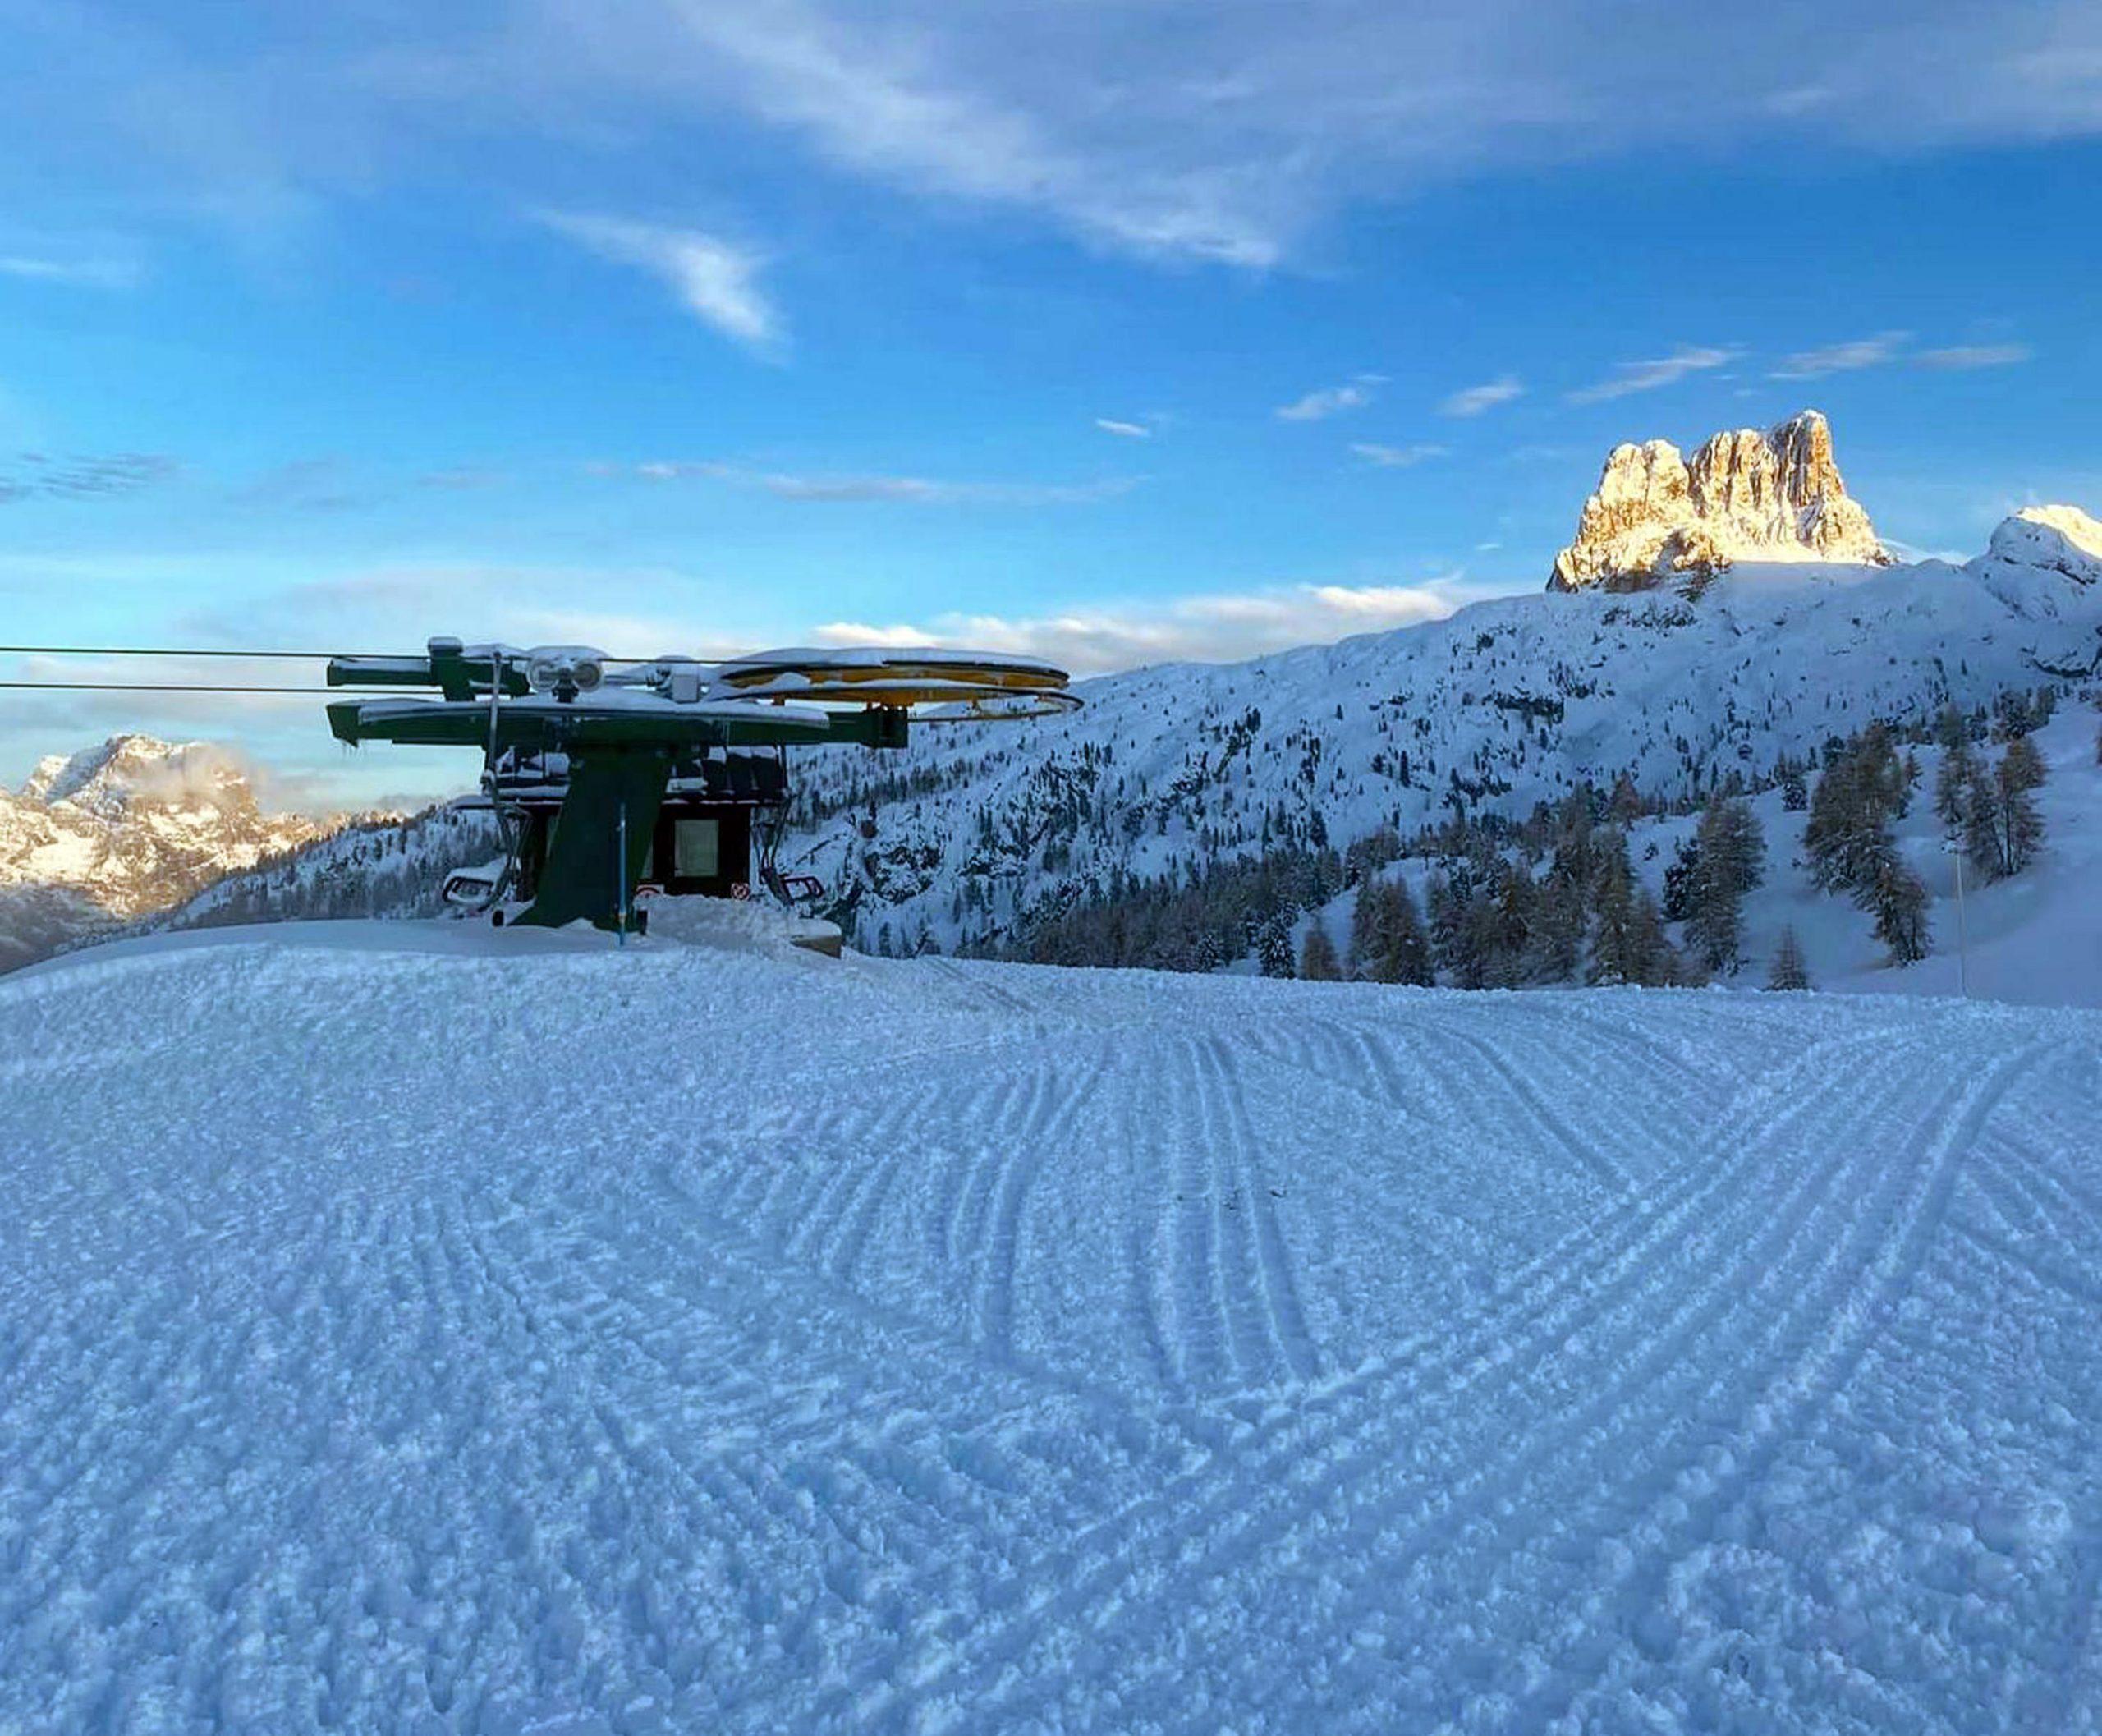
(118, 767)
(127, 827)
(1745, 495)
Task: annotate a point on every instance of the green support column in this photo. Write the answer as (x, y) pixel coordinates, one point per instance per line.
(581, 874)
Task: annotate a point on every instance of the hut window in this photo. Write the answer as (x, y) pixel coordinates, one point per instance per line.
(696, 848)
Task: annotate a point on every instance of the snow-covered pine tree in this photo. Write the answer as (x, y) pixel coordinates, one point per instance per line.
(1451, 898)
(1680, 874)
(1616, 946)
(1364, 911)
(1507, 941)
(1274, 946)
(1788, 970)
(1625, 805)
(1832, 835)
(1404, 954)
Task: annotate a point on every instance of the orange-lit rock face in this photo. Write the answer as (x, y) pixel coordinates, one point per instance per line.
(1776, 496)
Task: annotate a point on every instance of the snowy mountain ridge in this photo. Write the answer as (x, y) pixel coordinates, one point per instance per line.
(965, 835)
(97, 838)
(1499, 707)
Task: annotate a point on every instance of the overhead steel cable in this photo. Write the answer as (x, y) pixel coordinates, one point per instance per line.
(183, 687)
(137, 650)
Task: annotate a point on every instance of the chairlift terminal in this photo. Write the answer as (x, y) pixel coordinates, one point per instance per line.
(670, 775)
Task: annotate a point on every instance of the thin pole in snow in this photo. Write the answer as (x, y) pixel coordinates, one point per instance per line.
(1963, 940)
(1955, 848)
(620, 869)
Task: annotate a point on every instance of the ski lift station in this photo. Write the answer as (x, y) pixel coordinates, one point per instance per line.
(669, 777)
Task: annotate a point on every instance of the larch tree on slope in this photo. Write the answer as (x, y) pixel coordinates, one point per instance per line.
(1730, 851)
(1628, 944)
(2002, 827)
(1317, 956)
(1864, 790)
(1788, 970)
(1387, 940)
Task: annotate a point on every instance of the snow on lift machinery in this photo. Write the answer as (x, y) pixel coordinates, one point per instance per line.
(607, 778)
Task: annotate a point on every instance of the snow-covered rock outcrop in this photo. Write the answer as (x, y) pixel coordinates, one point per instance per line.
(1745, 496)
(2045, 564)
(2061, 540)
(105, 836)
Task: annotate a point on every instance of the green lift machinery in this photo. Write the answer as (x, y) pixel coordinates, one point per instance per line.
(605, 776)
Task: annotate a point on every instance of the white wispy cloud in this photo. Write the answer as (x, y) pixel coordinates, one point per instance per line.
(1127, 430)
(716, 281)
(1965, 355)
(89, 273)
(630, 611)
(1331, 400)
(836, 488)
(1211, 628)
(1475, 400)
(1183, 129)
(908, 100)
(1396, 458)
(1648, 376)
(1225, 132)
(1878, 351)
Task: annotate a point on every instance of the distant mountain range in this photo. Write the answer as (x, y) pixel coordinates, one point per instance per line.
(119, 831)
(1792, 625)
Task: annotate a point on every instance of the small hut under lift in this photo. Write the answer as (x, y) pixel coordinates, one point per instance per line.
(668, 776)
(720, 805)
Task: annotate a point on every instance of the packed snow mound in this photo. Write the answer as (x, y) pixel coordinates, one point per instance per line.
(508, 1333)
(737, 923)
(1745, 496)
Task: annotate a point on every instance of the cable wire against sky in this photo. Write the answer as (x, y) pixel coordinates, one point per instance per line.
(136, 651)
(184, 686)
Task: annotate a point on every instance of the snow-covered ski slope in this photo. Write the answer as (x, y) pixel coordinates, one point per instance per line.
(399, 1331)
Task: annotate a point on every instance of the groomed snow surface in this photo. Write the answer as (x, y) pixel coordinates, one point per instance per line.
(407, 1328)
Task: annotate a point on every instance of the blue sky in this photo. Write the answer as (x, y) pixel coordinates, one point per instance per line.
(1117, 331)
